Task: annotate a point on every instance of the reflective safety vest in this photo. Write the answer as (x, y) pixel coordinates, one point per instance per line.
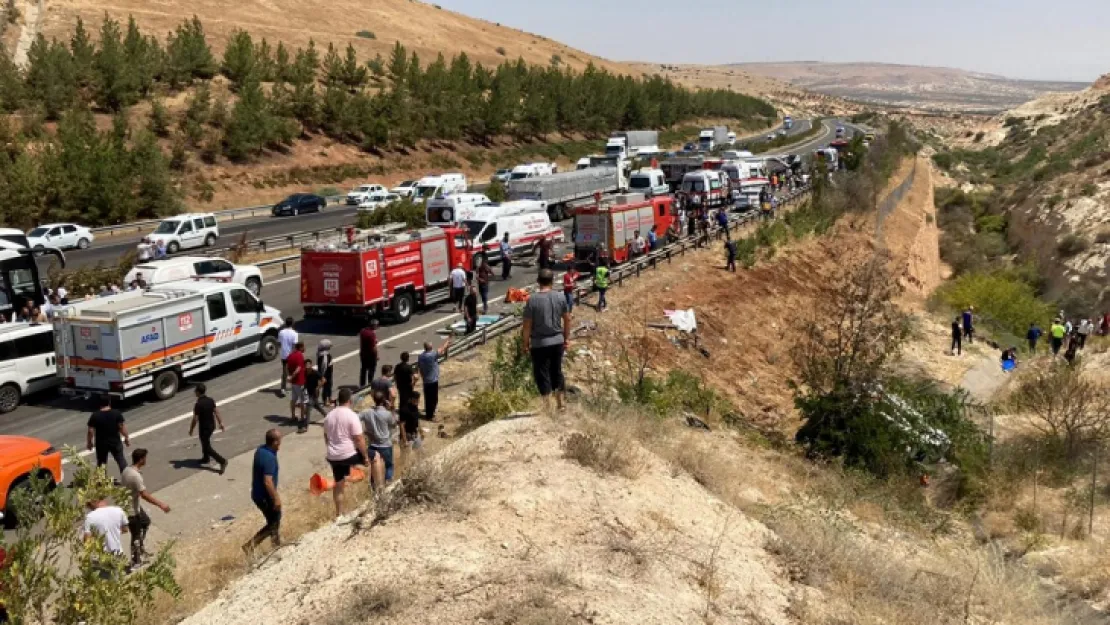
(601, 278)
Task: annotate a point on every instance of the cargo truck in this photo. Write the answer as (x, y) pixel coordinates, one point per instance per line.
(787, 122)
(141, 341)
(675, 168)
(613, 222)
(632, 143)
(559, 189)
(712, 137)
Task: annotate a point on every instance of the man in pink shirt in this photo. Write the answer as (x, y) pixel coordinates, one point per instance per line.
(345, 445)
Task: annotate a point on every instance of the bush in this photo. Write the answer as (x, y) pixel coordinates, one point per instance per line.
(403, 211)
(1072, 244)
(366, 34)
(1088, 189)
(944, 160)
(500, 50)
(511, 386)
(1006, 302)
(979, 136)
(496, 191)
(603, 453)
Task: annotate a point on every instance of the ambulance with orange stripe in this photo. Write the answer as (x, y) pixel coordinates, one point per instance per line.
(140, 341)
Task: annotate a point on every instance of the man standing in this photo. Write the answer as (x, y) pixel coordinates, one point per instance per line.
(601, 283)
(367, 353)
(722, 221)
(506, 257)
(345, 445)
(428, 362)
(1033, 335)
(969, 329)
(264, 491)
(545, 254)
(546, 334)
(296, 366)
(325, 368)
(312, 382)
(458, 286)
(637, 244)
(378, 423)
(107, 434)
(470, 310)
(107, 522)
(1083, 331)
(484, 275)
(288, 338)
(570, 283)
(139, 521)
(207, 416)
(957, 348)
(730, 251)
(403, 377)
(384, 384)
(652, 239)
(411, 438)
(1058, 332)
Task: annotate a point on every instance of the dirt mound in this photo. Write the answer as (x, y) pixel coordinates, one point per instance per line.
(535, 538)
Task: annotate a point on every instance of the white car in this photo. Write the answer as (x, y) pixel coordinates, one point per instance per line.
(28, 365)
(406, 188)
(502, 175)
(377, 199)
(363, 192)
(156, 272)
(186, 231)
(61, 236)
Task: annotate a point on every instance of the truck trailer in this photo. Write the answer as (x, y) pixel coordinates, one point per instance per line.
(559, 189)
(632, 143)
(712, 137)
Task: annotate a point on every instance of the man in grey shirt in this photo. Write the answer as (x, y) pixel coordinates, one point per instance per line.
(378, 423)
(546, 337)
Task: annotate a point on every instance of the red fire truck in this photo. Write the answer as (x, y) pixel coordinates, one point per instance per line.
(613, 220)
(384, 270)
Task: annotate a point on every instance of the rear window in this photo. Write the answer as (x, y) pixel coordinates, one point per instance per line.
(209, 222)
(640, 182)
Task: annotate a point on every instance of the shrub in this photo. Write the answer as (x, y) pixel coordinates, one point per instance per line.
(366, 34)
(500, 50)
(991, 223)
(496, 191)
(979, 136)
(402, 211)
(1089, 189)
(1072, 244)
(944, 160)
(1007, 302)
(603, 453)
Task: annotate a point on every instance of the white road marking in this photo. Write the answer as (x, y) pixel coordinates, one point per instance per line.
(188, 415)
(291, 277)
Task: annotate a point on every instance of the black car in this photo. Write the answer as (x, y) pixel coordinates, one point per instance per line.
(300, 203)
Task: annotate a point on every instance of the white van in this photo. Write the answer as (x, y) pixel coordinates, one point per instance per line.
(187, 231)
(27, 362)
(531, 170)
(157, 272)
(583, 163)
(525, 229)
(650, 182)
(446, 211)
(439, 186)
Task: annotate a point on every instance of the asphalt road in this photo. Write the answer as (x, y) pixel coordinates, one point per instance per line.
(246, 387)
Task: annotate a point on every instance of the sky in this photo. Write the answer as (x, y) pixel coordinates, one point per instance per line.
(1034, 39)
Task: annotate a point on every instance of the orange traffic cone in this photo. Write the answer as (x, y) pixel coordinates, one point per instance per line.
(318, 484)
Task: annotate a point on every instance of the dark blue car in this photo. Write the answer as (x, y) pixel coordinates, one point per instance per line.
(300, 203)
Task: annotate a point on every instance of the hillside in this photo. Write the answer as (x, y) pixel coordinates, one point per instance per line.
(938, 88)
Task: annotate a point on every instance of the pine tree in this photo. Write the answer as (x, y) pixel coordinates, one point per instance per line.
(376, 66)
(142, 58)
(333, 68)
(84, 53)
(354, 74)
(282, 64)
(250, 127)
(264, 62)
(12, 92)
(239, 59)
(116, 82)
(398, 65)
(159, 118)
(50, 77)
(154, 194)
(188, 55)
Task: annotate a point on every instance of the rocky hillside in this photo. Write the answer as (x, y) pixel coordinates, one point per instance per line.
(936, 88)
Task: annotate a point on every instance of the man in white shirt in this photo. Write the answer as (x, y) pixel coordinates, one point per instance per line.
(458, 287)
(144, 250)
(346, 447)
(107, 522)
(288, 338)
(506, 257)
(638, 244)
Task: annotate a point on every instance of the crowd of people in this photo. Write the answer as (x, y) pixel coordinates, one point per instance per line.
(1066, 336)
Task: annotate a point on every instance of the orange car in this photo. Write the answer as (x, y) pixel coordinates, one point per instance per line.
(21, 457)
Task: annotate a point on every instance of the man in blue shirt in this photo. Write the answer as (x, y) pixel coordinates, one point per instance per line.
(428, 363)
(969, 328)
(264, 493)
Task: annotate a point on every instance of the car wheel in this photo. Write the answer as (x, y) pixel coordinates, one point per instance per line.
(166, 384)
(254, 285)
(9, 398)
(173, 248)
(268, 348)
(402, 307)
(82, 244)
(209, 240)
(321, 205)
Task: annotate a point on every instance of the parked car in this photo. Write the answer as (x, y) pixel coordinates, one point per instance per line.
(690, 147)
(186, 231)
(300, 203)
(406, 188)
(376, 200)
(357, 196)
(501, 175)
(61, 236)
(27, 362)
(157, 272)
(22, 457)
(13, 235)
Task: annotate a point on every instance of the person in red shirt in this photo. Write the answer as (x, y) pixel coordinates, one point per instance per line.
(295, 367)
(367, 353)
(570, 280)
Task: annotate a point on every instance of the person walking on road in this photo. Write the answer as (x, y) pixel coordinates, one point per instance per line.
(325, 367)
(957, 348)
(296, 366)
(1033, 336)
(107, 434)
(264, 491)
(601, 283)
(138, 522)
(458, 286)
(403, 378)
(546, 334)
(570, 283)
(730, 252)
(378, 423)
(288, 338)
(470, 310)
(345, 445)
(1057, 332)
(506, 257)
(968, 317)
(485, 273)
(428, 362)
(312, 382)
(367, 353)
(207, 415)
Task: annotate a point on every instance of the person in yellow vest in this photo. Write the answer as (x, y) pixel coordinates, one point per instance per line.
(1057, 333)
(601, 283)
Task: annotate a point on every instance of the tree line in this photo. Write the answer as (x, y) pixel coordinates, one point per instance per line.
(279, 95)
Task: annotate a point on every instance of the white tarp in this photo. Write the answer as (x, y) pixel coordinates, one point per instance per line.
(684, 320)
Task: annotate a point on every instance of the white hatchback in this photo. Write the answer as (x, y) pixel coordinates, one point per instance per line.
(61, 237)
(27, 362)
(156, 272)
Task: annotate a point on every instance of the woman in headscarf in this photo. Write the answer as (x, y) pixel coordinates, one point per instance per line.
(324, 366)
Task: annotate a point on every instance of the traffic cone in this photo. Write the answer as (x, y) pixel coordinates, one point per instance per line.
(318, 484)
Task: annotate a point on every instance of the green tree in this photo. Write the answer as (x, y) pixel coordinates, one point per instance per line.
(155, 191)
(239, 59)
(144, 58)
(354, 75)
(12, 93)
(159, 118)
(333, 68)
(84, 54)
(264, 62)
(251, 127)
(116, 81)
(188, 55)
(496, 191)
(50, 77)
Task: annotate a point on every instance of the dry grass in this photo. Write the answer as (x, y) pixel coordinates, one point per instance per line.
(603, 453)
(367, 605)
(536, 607)
(442, 482)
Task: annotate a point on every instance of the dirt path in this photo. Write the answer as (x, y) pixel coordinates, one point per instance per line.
(985, 379)
(29, 32)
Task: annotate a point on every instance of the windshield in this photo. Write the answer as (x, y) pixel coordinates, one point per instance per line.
(517, 175)
(426, 192)
(696, 185)
(38, 232)
(167, 227)
(474, 227)
(639, 182)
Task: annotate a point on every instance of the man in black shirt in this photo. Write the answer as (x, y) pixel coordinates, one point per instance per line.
(108, 434)
(403, 378)
(410, 423)
(470, 307)
(207, 415)
(313, 379)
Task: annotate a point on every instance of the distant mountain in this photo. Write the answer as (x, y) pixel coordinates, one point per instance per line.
(910, 86)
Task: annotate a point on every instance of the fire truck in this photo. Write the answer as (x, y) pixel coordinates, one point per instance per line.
(613, 220)
(387, 270)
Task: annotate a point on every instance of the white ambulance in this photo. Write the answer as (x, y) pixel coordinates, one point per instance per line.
(140, 341)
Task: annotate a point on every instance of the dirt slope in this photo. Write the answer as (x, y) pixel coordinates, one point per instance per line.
(536, 539)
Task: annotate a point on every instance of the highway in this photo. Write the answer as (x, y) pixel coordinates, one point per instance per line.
(245, 390)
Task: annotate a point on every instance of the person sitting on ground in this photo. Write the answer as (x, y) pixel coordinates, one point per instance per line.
(1009, 359)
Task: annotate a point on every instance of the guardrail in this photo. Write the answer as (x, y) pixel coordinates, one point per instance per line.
(224, 215)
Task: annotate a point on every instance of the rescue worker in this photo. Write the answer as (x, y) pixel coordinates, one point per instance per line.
(601, 283)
